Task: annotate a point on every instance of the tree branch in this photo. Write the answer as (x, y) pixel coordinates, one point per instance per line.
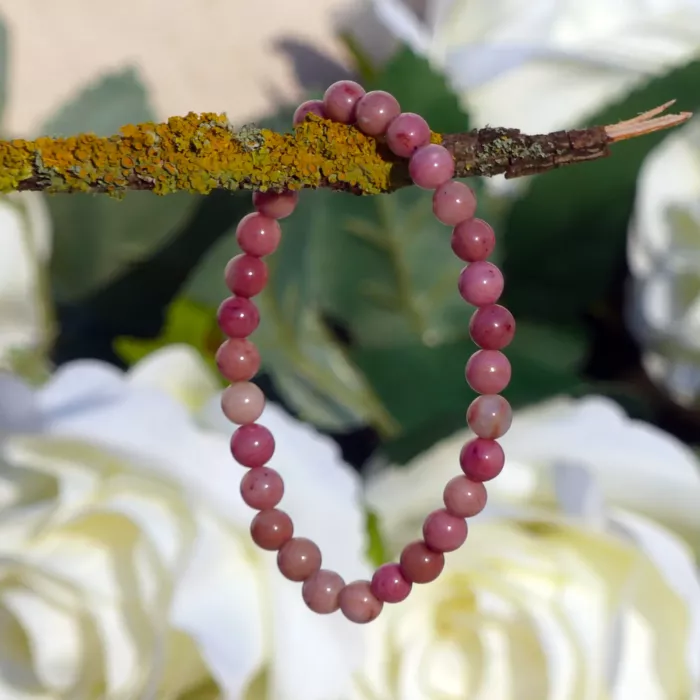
(201, 153)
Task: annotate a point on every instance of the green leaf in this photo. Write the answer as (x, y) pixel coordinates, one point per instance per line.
(4, 63)
(565, 240)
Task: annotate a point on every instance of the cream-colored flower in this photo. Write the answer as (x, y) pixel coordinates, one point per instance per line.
(127, 567)
(562, 591)
(25, 247)
(664, 257)
(545, 65)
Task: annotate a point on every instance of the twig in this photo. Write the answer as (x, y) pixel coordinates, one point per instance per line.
(201, 153)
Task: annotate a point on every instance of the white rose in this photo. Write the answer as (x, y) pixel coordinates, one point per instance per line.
(664, 257)
(25, 248)
(562, 591)
(128, 570)
(546, 65)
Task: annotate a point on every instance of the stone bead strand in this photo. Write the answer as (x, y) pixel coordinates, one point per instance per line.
(488, 371)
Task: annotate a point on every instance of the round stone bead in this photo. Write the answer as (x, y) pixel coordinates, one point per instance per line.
(245, 275)
(473, 240)
(308, 107)
(252, 445)
(453, 202)
(242, 402)
(258, 235)
(406, 134)
(340, 101)
(238, 359)
(431, 166)
(262, 488)
(480, 283)
(298, 559)
(488, 371)
(482, 460)
(321, 591)
(492, 327)
(375, 111)
(443, 532)
(489, 416)
(420, 564)
(270, 529)
(276, 205)
(238, 317)
(464, 498)
(389, 584)
(358, 603)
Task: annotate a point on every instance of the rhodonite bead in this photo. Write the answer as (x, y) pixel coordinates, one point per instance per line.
(375, 111)
(431, 166)
(481, 459)
(252, 445)
(480, 283)
(492, 327)
(270, 529)
(463, 497)
(420, 564)
(406, 134)
(488, 371)
(489, 416)
(453, 202)
(443, 532)
(246, 275)
(258, 235)
(308, 107)
(242, 402)
(358, 603)
(340, 101)
(298, 559)
(389, 584)
(473, 240)
(276, 205)
(238, 359)
(238, 317)
(262, 488)
(321, 591)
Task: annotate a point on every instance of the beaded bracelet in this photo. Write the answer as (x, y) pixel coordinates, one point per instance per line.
(488, 371)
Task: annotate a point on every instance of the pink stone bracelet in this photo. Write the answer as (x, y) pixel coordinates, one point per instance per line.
(488, 371)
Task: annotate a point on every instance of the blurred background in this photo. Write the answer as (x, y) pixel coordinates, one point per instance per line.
(601, 260)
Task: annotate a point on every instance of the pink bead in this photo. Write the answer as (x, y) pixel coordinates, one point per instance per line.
(473, 240)
(340, 101)
(464, 498)
(420, 564)
(431, 166)
(489, 416)
(270, 529)
(258, 235)
(482, 460)
(390, 585)
(242, 402)
(407, 133)
(276, 205)
(375, 111)
(488, 372)
(308, 107)
(245, 275)
(298, 559)
(358, 603)
(238, 359)
(252, 445)
(321, 590)
(492, 327)
(238, 317)
(480, 283)
(262, 488)
(453, 202)
(443, 532)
